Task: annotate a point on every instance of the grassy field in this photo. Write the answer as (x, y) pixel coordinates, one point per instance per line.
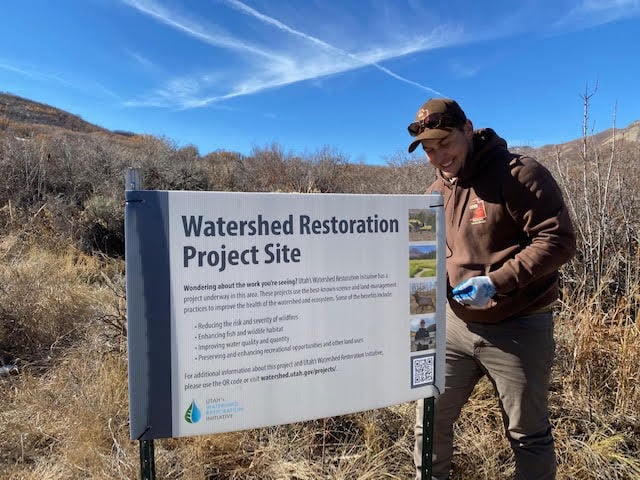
(422, 268)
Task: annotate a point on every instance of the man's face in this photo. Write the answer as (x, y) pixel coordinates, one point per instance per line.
(448, 154)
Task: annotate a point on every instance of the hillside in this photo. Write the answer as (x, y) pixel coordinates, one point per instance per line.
(627, 137)
(17, 110)
(26, 118)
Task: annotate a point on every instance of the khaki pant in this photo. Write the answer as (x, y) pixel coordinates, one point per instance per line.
(516, 355)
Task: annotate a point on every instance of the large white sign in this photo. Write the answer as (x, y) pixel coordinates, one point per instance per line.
(288, 307)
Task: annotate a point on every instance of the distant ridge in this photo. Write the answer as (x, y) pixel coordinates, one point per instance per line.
(21, 110)
(630, 135)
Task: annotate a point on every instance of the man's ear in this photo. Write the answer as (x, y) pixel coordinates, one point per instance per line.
(468, 129)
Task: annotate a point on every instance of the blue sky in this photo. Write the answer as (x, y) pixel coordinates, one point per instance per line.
(307, 74)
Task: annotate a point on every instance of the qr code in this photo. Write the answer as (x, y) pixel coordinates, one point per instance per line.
(422, 370)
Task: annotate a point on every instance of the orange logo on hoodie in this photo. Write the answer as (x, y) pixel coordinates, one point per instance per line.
(478, 212)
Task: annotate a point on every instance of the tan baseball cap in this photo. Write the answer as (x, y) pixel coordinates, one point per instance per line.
(435, 119)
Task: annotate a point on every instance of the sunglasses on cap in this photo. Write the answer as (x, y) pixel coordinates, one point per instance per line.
(435, 120)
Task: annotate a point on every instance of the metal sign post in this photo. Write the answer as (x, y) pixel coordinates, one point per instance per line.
(427, 437)
(147, 460)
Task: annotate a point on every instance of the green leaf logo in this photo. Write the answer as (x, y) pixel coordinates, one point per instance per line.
(192, 415)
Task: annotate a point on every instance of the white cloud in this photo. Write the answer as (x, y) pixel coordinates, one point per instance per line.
(87, 87)
(142, 61)
(17, 70)
(463, 70)
(610, 5)
(33, 73)
(357, 59)
(268, 68)
(591, 13)
(197, 31)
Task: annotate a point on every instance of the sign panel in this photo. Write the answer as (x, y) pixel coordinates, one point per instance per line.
(264, 309)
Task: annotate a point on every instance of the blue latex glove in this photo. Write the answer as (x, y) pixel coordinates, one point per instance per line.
(476, 291)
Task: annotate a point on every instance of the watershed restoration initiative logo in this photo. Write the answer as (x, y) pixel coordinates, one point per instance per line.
(193, 414)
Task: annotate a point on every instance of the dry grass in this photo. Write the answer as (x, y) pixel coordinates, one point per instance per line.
(37, 307)
(71, 421)
(596, 394)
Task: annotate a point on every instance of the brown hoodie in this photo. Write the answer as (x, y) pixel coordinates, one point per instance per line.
(505, 218)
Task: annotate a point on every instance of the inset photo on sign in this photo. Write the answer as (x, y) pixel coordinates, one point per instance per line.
(422, 297)
(422, 225)
(422, 333)
(422, 261)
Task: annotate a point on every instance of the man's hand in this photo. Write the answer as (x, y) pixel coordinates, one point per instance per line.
(475, 292)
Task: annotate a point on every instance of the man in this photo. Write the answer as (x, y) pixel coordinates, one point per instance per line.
(508, 232)
(421, 338)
